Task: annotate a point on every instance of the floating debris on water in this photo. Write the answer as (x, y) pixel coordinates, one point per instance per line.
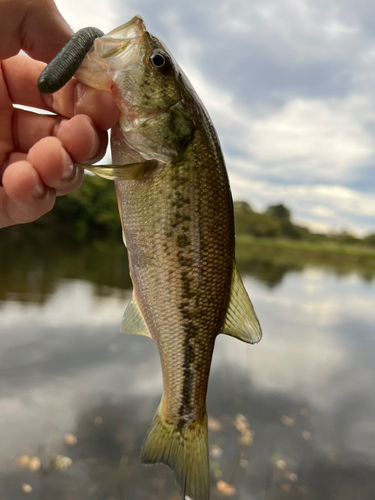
(306, 435)
(61, 463)
(216, 451)
(288, 421)
(246, 438)
(70, 439)
(26, 488)
(34, 463)
(227, 490)
(24, 461)
(304, 412)
(280, 464)
(242, 425)
(213, 424)
(292, 477)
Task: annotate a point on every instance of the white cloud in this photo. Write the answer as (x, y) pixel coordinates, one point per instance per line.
(304, 144)
(302, 30)
(342, 207)
(337, 29)
(321, 211)
(297, 354)
(84, 13)
(295, 135)
(73, 304)
(305, 139)
(318, 138)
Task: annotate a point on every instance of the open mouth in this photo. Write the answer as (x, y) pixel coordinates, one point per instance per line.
(118, 50)
(132, 29)
(90, 47)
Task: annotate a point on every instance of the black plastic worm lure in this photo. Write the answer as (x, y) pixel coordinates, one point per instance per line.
(61, 69)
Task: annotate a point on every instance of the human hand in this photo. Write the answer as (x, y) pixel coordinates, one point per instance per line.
(38, 151)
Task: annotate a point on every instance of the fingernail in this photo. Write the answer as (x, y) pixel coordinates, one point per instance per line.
(39, 189)
(68, 171)
(95, 146)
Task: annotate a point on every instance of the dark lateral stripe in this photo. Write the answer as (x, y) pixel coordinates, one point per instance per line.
(187, 296)
(61, 69)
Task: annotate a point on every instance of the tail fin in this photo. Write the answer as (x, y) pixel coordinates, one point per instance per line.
(185, 451)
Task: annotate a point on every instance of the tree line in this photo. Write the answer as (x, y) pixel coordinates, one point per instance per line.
(276, 222)
(91, 212)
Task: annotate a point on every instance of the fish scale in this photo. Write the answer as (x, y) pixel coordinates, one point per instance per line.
(194, 297)
(177, 216)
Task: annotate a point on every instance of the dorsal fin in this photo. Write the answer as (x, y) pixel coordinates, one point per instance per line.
(132, 321)
(241, 321)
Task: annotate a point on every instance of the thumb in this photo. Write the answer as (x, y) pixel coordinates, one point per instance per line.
(35, 26)
(45, 31)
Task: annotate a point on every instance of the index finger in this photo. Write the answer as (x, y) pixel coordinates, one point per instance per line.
(21, 74)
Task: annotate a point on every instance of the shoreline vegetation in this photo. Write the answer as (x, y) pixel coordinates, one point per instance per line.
(91, 213)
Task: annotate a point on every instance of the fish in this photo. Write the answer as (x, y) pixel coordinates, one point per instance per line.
(177, 219)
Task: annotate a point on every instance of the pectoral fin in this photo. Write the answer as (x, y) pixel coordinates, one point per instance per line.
(240, 320)
(132, 171)
(133, 322)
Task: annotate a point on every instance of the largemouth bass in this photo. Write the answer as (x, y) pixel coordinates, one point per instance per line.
(177, 217)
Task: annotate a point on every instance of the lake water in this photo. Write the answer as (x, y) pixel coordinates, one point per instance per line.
(290, 418)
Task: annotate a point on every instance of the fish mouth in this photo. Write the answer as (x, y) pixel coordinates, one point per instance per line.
(119, 48)
(134, 28)
(66, 63)
(115, 51)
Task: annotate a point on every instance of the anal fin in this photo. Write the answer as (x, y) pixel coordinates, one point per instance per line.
(133, 322)
(241, 321)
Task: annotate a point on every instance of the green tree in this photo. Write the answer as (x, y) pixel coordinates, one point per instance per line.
(289, 230)
(91, 210)
(263, 226)
(279, 211)
(249, 222)
(348, 239)
(369, 239)
(242, 206)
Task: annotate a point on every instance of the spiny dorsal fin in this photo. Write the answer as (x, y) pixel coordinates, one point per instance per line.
(240, 320)
(132, 321)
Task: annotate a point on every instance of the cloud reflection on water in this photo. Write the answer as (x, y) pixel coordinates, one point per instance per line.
(64, 359)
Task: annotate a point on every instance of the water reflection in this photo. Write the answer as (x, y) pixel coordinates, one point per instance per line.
(34, 275)
(305, 392)
(267, 271)
(40, 267)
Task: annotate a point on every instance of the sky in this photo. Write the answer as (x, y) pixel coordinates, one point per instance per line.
(290, 89)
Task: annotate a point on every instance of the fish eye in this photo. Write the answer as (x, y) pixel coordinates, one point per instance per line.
(160, 60)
